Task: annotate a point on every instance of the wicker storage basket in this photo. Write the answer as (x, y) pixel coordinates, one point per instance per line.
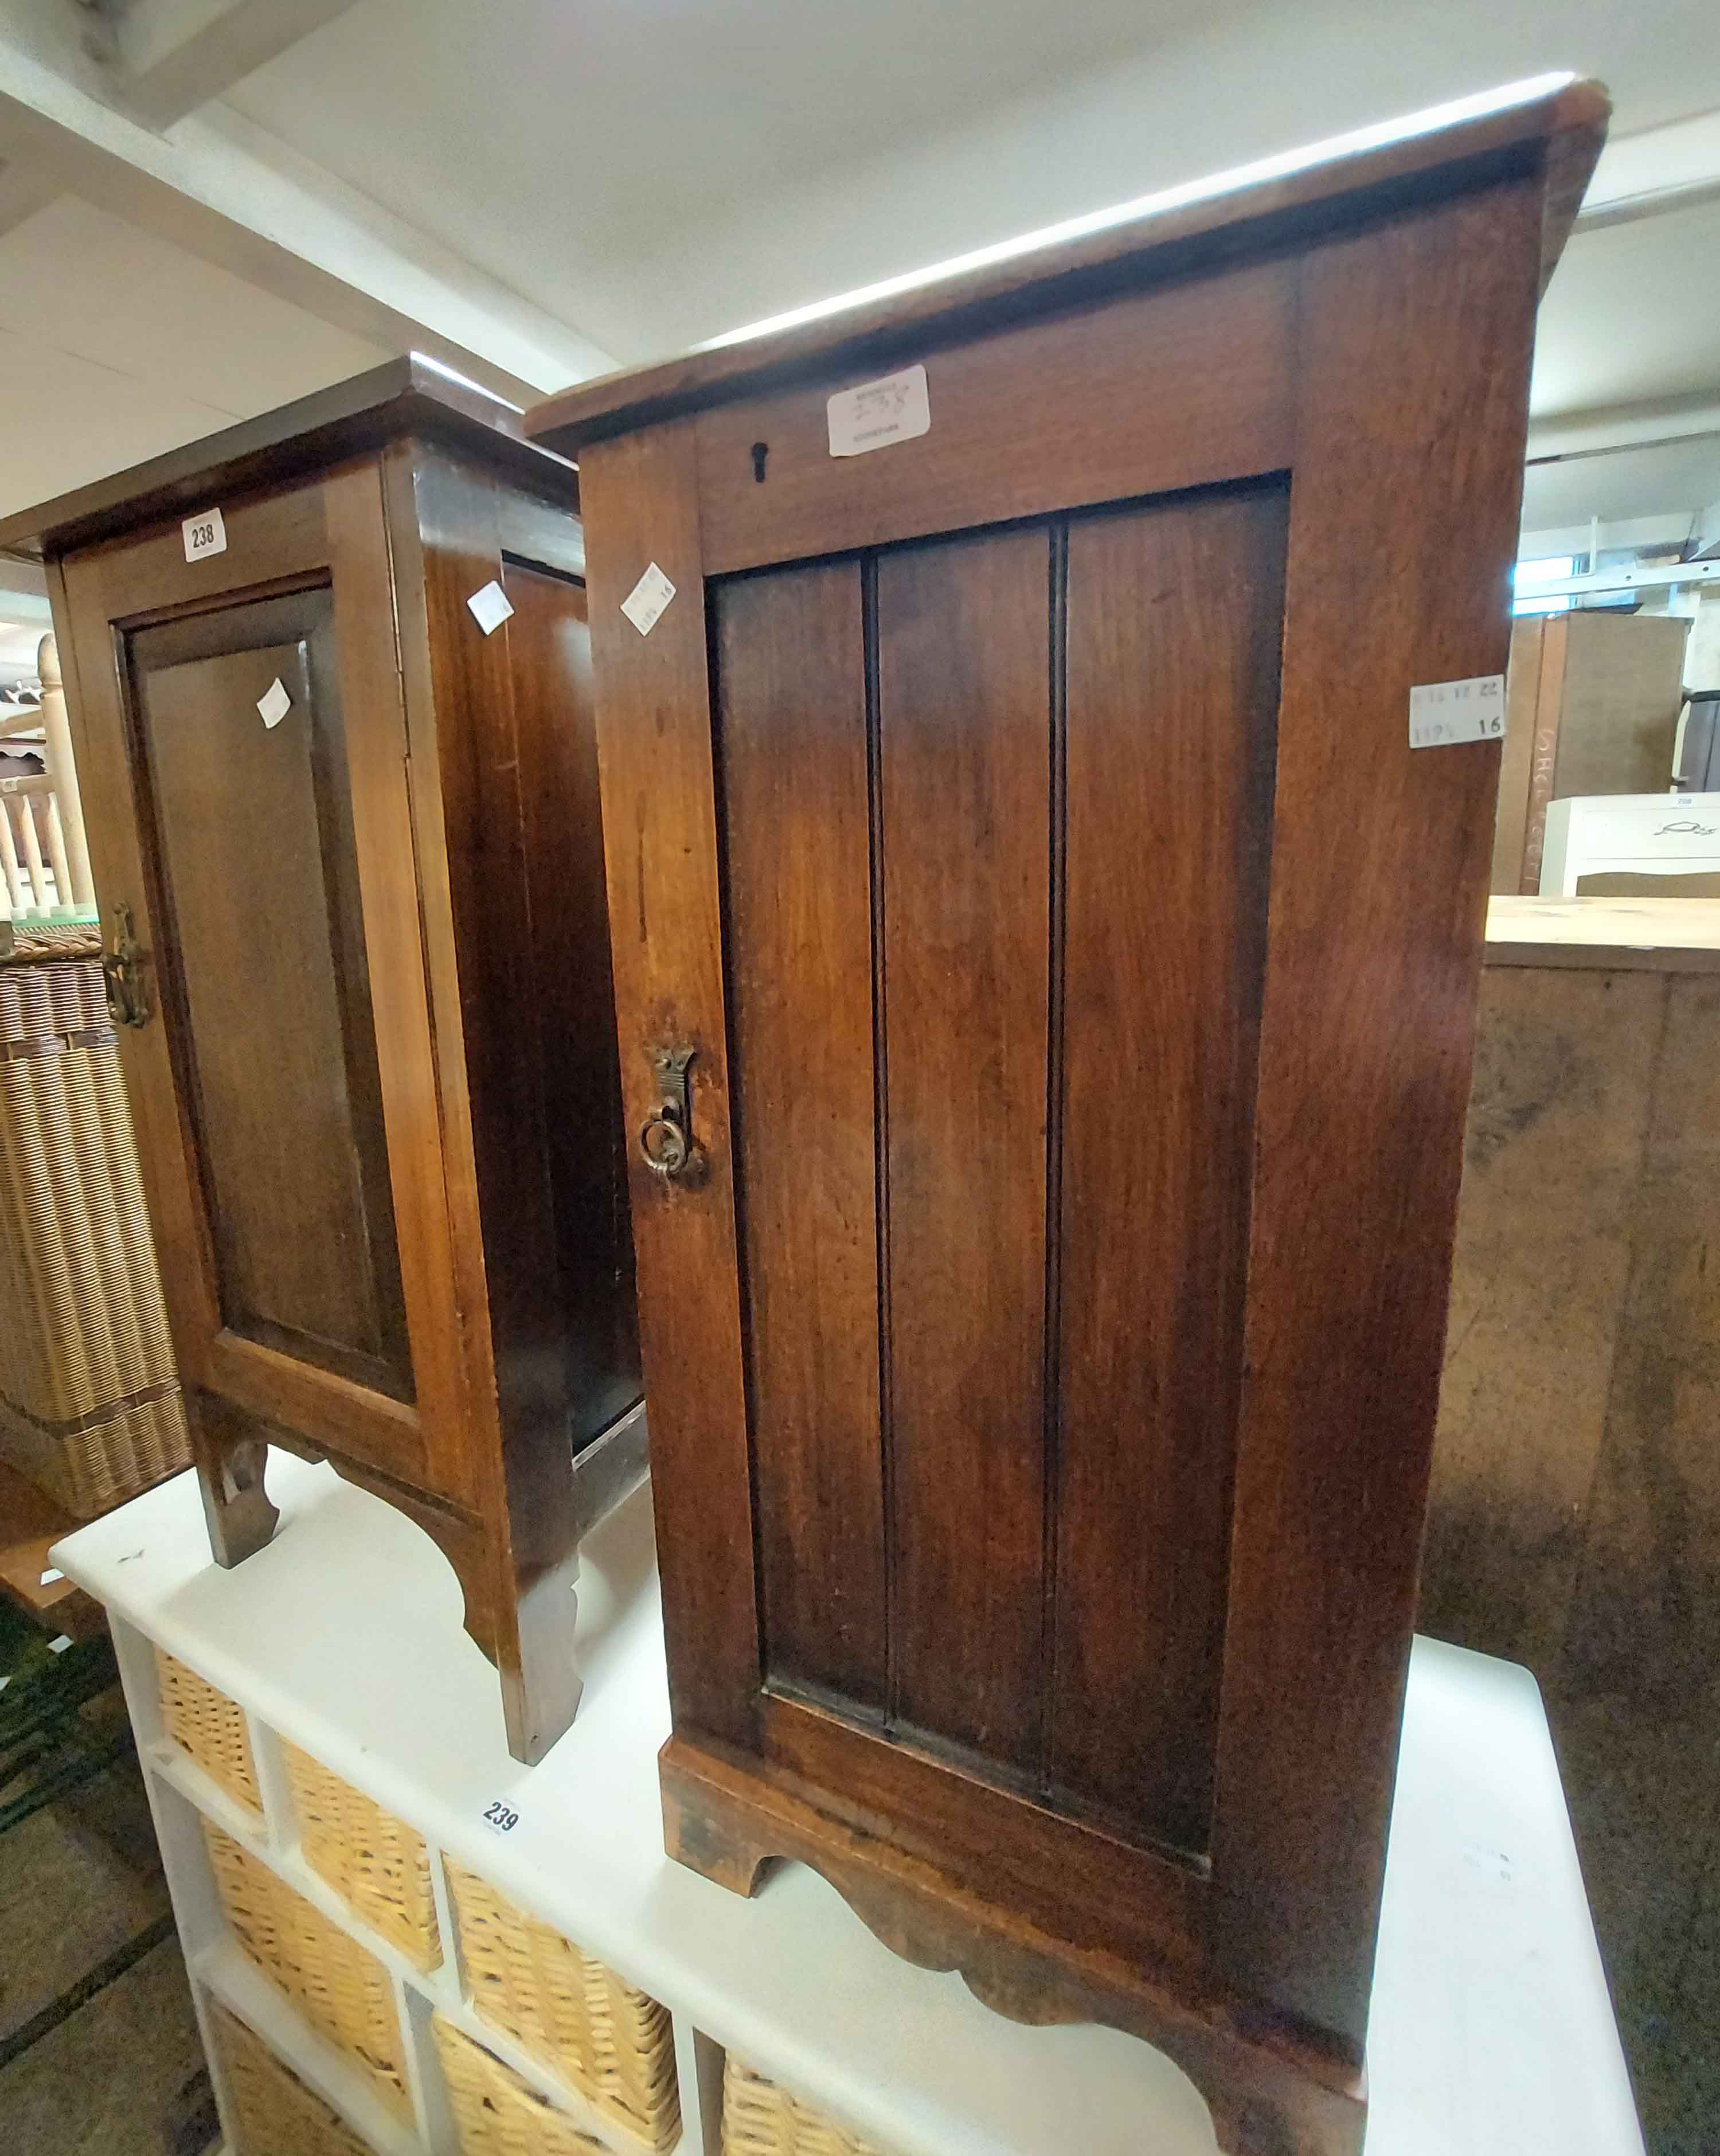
(373, 1861)
(495, 2113)
(342, 1990)
(89, 1401)
(210, 1726)
(760, 2119)
(576, 2017)
(270, 2111)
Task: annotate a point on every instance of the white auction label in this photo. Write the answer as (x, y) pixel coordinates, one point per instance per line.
(1442, 712)
(274, 703)
(644, 603)
(490, 607)
(501, 1818)
(877, 413)
(204, 534)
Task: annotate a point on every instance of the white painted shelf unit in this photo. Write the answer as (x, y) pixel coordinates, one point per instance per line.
(1492, 2033)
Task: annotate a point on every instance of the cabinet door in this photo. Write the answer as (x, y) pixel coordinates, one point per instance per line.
(1019, 827)
(246, 779)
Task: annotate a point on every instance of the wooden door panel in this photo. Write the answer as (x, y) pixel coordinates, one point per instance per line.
(1174, 619)
(791, 704)
(964, 695)
(252, 829)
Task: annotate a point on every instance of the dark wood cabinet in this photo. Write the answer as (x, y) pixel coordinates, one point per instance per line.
(348, 844)
(1046, 977)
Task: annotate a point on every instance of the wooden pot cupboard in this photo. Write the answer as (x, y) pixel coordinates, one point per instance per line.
(348, 850)
(1046, 977)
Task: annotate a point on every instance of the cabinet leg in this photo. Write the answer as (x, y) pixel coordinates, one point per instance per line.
(230, 1471)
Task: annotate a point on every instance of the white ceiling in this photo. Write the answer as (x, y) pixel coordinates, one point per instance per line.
(114, 345)
(650, 173)
(659, 171)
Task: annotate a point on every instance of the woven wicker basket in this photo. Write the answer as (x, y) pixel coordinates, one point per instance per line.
(610, 2042)
(760, 2119)
(89, 1400)
(495, 2113)
(210, 1726)
(373, 1861)
(342, 1991)
(270, 2111)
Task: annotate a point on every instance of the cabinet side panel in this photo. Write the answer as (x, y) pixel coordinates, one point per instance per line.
(964, 700)
(1175, 619)
(1413, 379)
(792, 718)
(549, 651)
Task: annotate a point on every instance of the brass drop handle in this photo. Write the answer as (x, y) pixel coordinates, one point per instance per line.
(666, 1141)
(122, 973)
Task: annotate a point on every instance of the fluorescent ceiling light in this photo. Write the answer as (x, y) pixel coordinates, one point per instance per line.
(1277, 168)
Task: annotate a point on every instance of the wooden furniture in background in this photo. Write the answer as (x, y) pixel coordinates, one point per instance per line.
(1594, 699)
(1574, 1519)
(349, 848)
(1016, 850)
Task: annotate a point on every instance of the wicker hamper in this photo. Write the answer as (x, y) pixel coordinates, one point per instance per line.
(495, 2113)
(209, 1727)
(342, 1991)
(375, 1863)
(270, 2111)
(89, 1400)
(760, 2119)
(612, 2043)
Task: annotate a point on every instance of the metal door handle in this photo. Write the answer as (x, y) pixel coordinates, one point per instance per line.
(666, 1139)
(122, 973)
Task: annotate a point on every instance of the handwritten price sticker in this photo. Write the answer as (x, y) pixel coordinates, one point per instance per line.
(1442, 713)
(876, 413)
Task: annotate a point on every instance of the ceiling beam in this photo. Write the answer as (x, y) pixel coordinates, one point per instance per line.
(225, 190)
(1660, 169)
(162, 58)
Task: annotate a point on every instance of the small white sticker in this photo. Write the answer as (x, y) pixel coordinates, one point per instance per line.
(490, 608)
(501, 1818)
(1442, 712)
(48, 1577)
(274, 703)
(877, 413)
(644, 603)
(59, 1645)
(204, 534)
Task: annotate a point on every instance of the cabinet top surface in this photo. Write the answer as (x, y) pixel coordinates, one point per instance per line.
(411, 395)
(345, 1636)
(1552, 125)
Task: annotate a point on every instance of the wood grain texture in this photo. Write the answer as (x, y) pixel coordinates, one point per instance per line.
(964, 703)
(792, 716)
(1211, 423)
(1577, 1527)
(277, 1025)
(1551, 1162)
(1269, 2093)
(1560, 133)
(654, 758)
(1372, 964)
(1175, 616)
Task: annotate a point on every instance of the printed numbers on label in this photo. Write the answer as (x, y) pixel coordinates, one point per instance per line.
(501, 1817)
(1442, 713)
(205, 533)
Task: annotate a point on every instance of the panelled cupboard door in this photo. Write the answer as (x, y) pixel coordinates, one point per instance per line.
(1015, 838)
(263, 847)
